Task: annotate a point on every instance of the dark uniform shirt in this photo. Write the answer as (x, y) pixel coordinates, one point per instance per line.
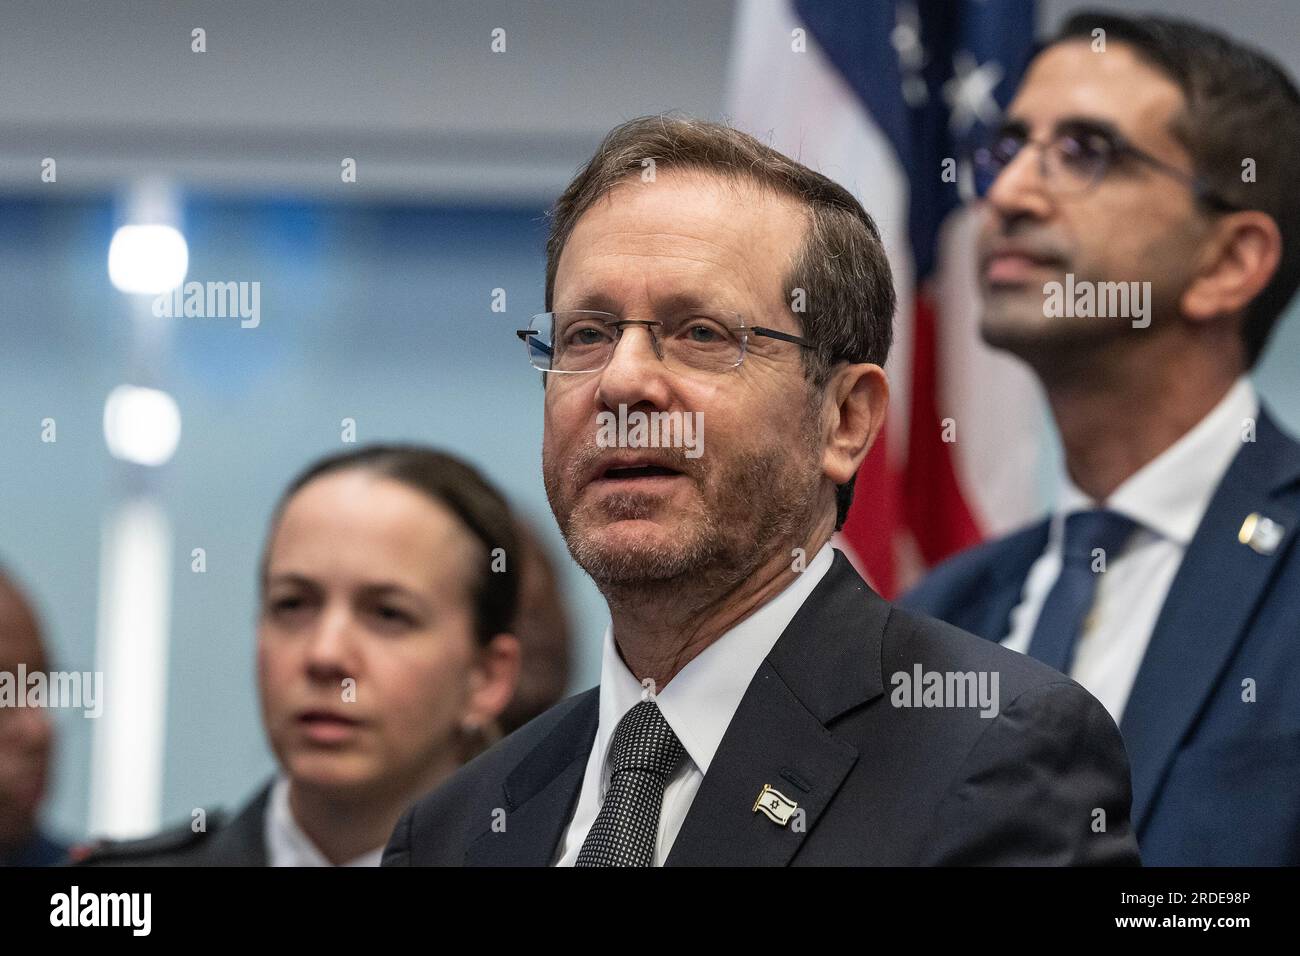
(226, 841)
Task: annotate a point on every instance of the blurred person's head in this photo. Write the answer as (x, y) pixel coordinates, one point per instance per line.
(699, 226)
(1172, 157)
(388, 589)
(542, 627)
(26, 733)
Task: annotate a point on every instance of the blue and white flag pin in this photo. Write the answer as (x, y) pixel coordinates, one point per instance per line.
(1263, 535)
(776, 806)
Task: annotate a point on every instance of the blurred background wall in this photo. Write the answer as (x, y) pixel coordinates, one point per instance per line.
(375, 295)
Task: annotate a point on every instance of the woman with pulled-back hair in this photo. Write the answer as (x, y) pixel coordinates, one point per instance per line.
(385, 656)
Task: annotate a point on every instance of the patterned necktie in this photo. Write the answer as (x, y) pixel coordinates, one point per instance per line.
(642, 757)
(1068, 603)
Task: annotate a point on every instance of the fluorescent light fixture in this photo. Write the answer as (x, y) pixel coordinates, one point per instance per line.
(148, 260)
(131, 652)
(141, 425)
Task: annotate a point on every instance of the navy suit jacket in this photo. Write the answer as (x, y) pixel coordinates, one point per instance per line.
(1216, 776)
(876, 783)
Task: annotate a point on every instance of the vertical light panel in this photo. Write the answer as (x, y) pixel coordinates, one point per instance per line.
(132, 650)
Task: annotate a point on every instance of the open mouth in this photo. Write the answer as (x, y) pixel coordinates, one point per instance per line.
(324, 717)
(624, 472)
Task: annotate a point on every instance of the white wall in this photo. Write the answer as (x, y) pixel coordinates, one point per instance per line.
(288, 88)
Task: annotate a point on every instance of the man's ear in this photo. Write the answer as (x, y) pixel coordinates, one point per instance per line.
(1239, 258)
(853, 412)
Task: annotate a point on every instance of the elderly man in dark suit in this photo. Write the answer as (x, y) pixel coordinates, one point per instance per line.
(718, 316)
(1167, 579)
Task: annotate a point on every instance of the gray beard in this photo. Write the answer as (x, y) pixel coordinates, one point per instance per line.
(767, 506)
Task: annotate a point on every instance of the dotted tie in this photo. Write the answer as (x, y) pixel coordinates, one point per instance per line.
(1070, 600)
(644, 754)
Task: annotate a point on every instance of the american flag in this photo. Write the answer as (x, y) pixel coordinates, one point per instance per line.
(886, 99)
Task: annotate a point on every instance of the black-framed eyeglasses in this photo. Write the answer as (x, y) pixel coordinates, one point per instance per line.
(576, 341)
(1076, 158)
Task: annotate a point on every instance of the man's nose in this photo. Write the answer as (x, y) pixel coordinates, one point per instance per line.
(635, 374)
(1020, 189)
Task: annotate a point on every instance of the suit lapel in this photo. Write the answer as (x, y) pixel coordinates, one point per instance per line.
(1210, 602)
(1007, 574)
(826, 662)
(539, 794)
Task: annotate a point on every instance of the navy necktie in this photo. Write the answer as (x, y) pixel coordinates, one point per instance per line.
(1068, 603)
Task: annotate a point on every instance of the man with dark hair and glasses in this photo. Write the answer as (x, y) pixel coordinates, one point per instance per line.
(758, 703)
(1154, 154)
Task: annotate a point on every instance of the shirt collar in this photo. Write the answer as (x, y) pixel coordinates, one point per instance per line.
(700, 701)
(288, 845)
(1170, 494)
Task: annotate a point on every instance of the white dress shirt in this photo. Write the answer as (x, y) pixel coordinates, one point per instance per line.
(698, 704)
(1167, 498)
(288, 845)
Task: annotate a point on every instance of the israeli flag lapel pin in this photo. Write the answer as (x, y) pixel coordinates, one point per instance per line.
(775, 805)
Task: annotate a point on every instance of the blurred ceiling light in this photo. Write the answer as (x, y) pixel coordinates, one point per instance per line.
(147, 259)
(141, 425)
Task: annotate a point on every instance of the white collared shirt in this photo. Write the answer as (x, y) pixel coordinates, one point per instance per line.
(288, 845)
(698, 704)
(1167, 497)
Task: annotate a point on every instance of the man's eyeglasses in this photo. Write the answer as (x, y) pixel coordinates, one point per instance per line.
(583, 340)
(1075, 159)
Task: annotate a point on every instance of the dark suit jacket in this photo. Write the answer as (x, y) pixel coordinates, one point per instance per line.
(39, 850)
(239, 841)
(878, 784)
(1216, 779)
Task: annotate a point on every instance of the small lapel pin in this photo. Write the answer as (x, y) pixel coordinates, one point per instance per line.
(776, 806)
(1261, 534)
